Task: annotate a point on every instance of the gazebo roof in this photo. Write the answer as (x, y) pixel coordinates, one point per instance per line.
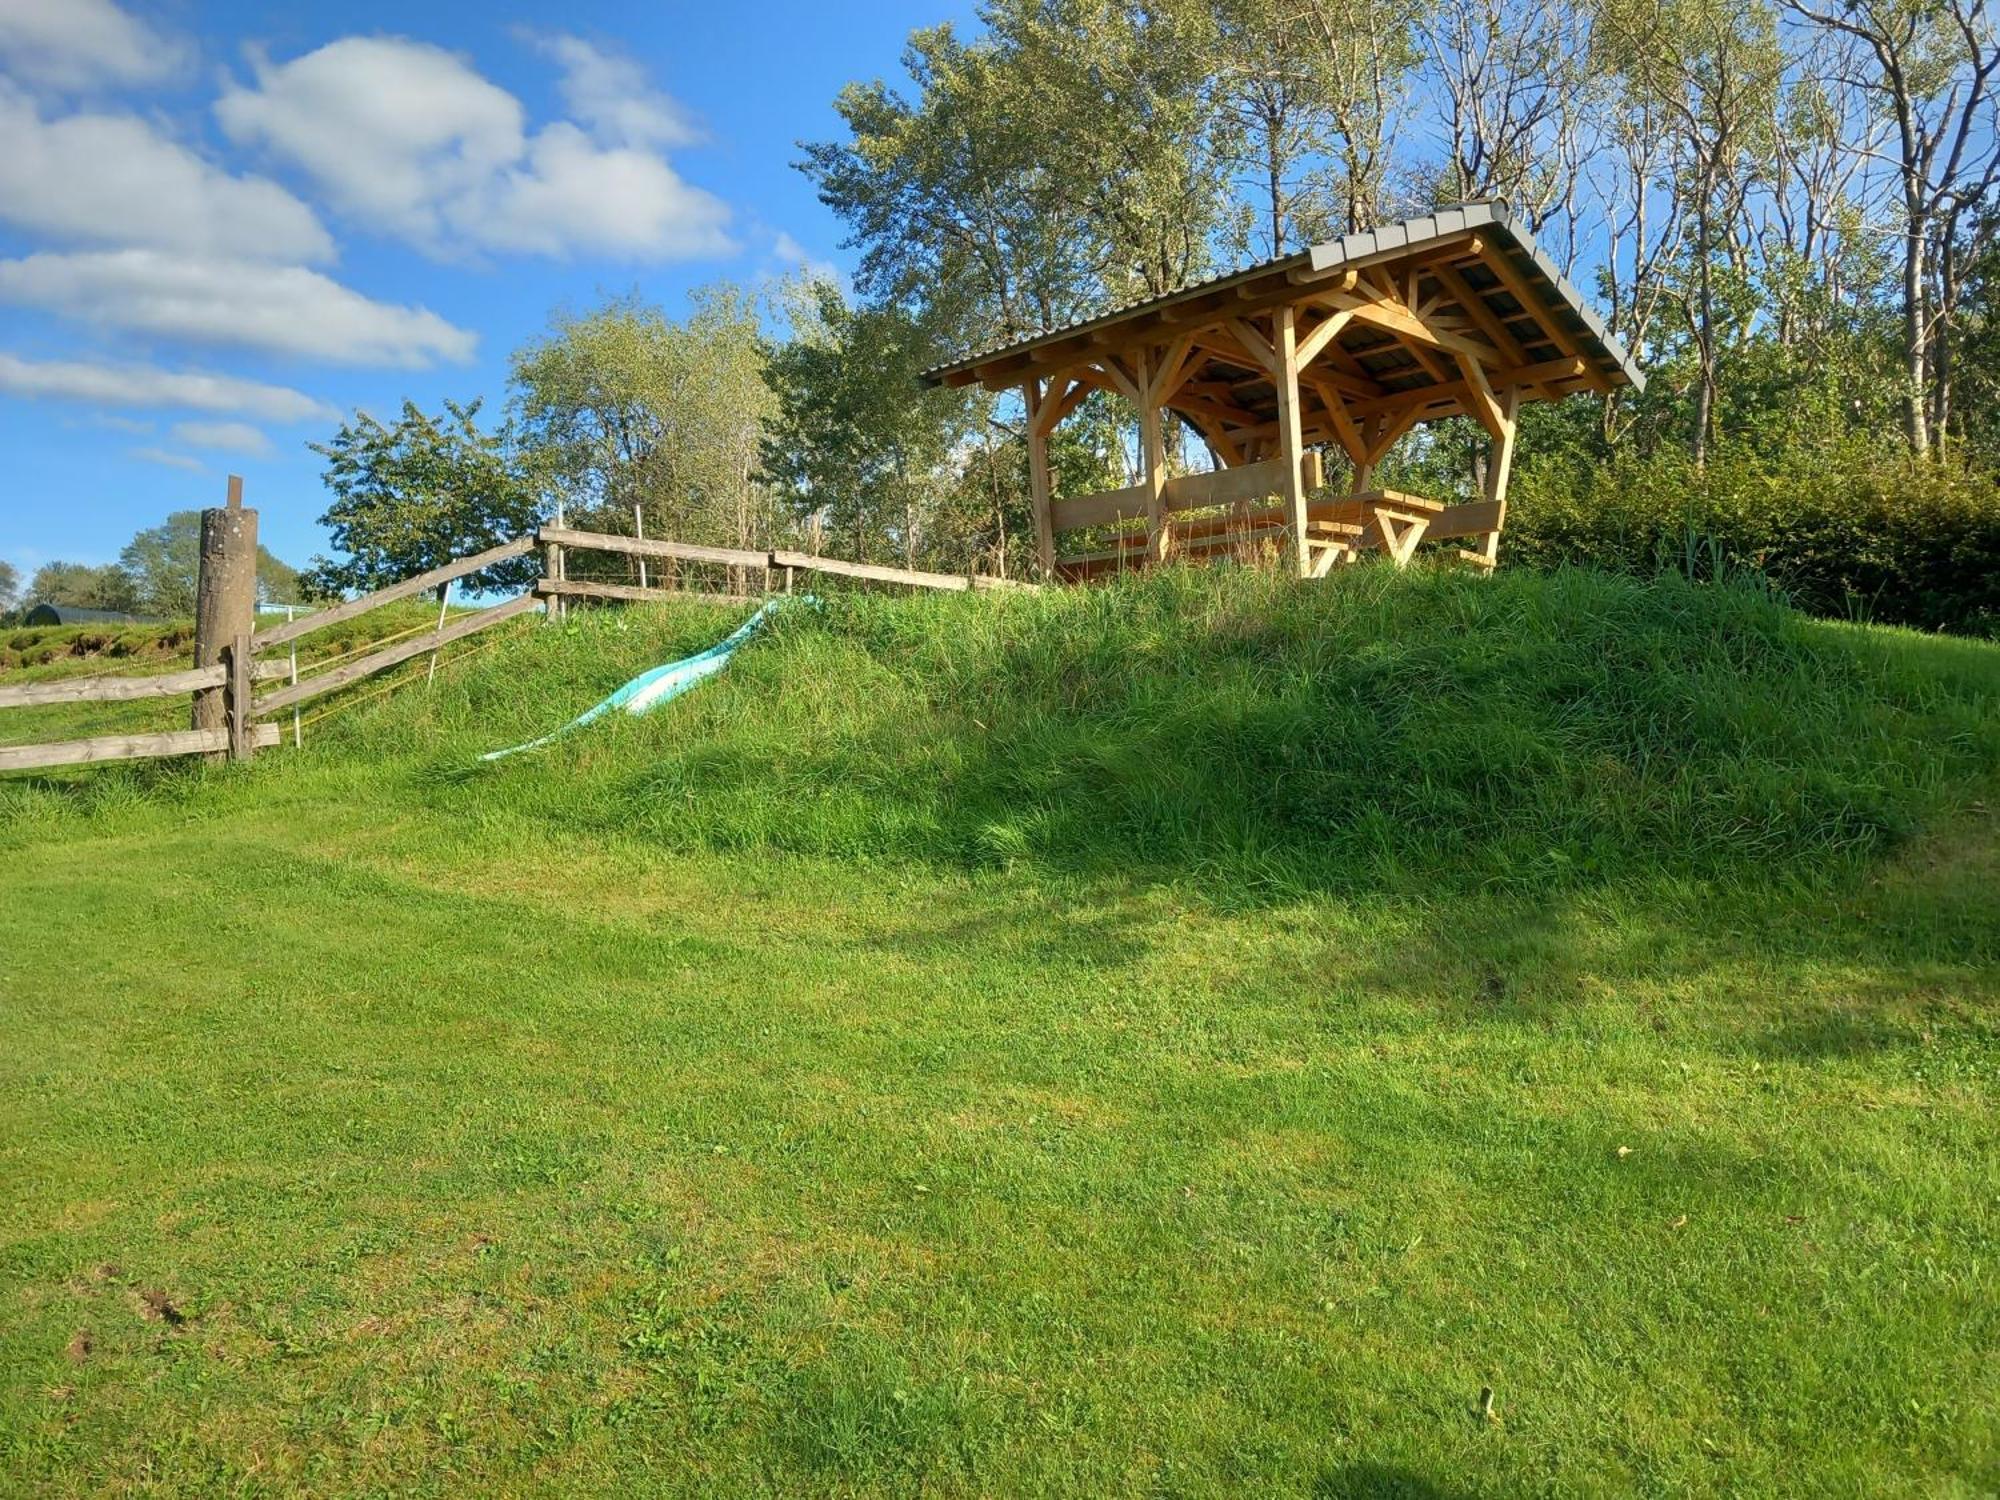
(1421, 297)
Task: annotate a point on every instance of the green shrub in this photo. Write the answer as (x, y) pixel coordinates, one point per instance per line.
(1842, 532)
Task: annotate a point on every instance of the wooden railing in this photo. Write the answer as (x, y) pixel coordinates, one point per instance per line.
(773, 566)
(1240, 485)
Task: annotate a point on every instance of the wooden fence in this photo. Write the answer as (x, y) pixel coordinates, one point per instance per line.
(776, 568)
(230, 716)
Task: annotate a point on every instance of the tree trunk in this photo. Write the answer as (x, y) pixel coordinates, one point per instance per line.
(1274, 178)
(1915, 337)
(1704, 404)
(1941, 339)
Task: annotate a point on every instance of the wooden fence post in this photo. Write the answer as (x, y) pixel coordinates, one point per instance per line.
(554, 568)
(552, 571)
(238, 687)
(225, 604)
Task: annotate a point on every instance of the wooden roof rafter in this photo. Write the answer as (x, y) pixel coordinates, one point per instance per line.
(1439, 315)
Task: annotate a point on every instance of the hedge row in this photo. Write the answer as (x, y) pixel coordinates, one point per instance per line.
(1907, 543)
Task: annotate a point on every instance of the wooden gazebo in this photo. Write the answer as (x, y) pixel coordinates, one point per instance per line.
(1348, 344)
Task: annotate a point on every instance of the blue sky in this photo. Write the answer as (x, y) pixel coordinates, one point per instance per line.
(222, 226)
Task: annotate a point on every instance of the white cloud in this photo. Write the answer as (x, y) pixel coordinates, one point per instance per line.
(150, 386)
(168, 460)
(392, 130)
(76, 43)
(278, 309)
(570, 195)
(610, 97)
(793, 256)
(408, 138)
(113, 178)
(229, 437)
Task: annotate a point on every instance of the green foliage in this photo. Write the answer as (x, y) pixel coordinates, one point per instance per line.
(107, 586)
(1975, 349)
(1122, 120)
(1848, 532)
(164, 562)
(949, 196)
(624, 406)
(422, 492)
(858, 445)
(10, 584)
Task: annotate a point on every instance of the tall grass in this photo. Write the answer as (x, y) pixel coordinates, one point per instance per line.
(1388, 730)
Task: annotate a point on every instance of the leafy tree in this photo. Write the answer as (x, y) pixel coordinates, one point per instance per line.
(1977, 352)
(164, 563)
(1366, 54)
(422, 492)
(10, 585)
(1275, 117)
(1124, 122)
(863, 454)
(628, 407)
(858, 448)
(1714, 68)
(107, 586)
(950, 197)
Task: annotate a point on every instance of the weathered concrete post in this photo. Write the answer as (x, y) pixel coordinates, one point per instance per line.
(225, 601)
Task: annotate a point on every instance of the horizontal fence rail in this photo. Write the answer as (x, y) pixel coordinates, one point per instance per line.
(737, 557)
(914, 577)
(587, 588)
(436, 577)
(127, 747)
(124, 689)
(367, 666)
(878, 574)
(637, 546)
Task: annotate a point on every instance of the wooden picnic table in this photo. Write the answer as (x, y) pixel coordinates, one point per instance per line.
(1391, 519)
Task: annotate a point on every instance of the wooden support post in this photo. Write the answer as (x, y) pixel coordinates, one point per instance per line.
(444, 604)
(225, 604)
(237, 688)
(1499, 464)
(552, 569)
(1039, 491)
(555, 567)
(1291, 448)
(639, 534)
(1153, 446)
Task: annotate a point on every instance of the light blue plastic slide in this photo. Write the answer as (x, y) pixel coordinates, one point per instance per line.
(650, 689)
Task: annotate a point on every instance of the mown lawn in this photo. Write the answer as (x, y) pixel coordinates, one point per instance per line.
(368, 1128)
(532, 1167)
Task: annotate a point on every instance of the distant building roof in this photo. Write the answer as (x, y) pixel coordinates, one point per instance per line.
(71, 614)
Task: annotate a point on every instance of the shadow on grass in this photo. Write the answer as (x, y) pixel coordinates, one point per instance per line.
(1865, 961)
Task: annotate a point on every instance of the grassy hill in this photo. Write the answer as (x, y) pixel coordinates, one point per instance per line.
(1185, 1037)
